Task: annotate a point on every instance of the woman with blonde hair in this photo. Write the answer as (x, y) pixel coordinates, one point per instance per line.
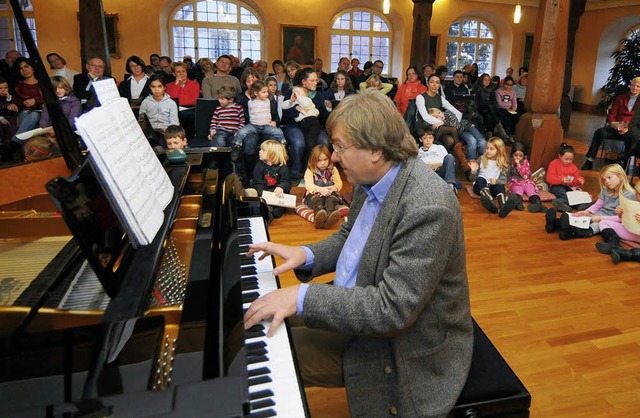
(375, 83)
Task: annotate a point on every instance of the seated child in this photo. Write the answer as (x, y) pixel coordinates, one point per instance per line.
(175, 137)
(161, 110)
(490, 176)
(262, 120)
(563, 176)
(437, 158)
(308, 117)
(9, 108)
(70, 104)
(271, 173)
(613, 231)
(475, 140)
(520, 181)
(323, 183)
(227, 119)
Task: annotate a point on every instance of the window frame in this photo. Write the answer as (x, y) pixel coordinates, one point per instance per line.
(371, 34)
(14, 31)
(195, 24)
(475, 40)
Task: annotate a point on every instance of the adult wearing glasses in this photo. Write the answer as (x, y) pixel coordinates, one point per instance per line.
(507, 106)
(136, 85)
(394, 322)
(83, 83)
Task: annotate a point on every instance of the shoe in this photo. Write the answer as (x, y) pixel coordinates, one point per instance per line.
(583, 206)
(333, 219)
(235, 152)
(488, 204)
(603, 247)
(588, 165)
(320, 219)
(506, 208)
(551, 222)
(561, 205)
(517, 200)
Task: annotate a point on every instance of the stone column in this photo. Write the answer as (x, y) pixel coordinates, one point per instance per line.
(539, 129)
(420, 45)
(93, 33)
(576, 10)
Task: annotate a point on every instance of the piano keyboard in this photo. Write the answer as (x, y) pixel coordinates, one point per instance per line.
(274, 389)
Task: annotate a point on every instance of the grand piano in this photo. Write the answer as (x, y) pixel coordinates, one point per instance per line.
(93, 325)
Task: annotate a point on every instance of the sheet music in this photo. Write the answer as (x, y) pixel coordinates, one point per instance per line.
(130, 194)
(286, 201)
(577, 197)
(106, 90)
(120, 114)
(630, 208)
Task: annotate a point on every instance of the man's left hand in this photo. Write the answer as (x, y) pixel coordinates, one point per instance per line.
(278, 305)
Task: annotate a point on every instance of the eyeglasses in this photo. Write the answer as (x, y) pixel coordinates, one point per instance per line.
(96, 65)
(508, 84)
(340, 150)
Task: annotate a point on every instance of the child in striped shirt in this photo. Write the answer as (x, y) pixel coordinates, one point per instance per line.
(227, 119)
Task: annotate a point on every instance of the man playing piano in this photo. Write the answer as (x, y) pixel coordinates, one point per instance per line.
(395, 326)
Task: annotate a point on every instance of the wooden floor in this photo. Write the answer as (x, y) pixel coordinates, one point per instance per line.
(565, 318)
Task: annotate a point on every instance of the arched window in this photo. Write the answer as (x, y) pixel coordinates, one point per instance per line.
(361, 34)
(633, 33)
(211, 28)
(470, 40)
(10, 36)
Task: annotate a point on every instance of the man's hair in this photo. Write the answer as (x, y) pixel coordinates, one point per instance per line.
(174, 130)
(380, 61)
(458, 72)
(372, 121)
(226, 91)
(224, 56)
(164, 57)
(367, 65)
(441, 69)
(424, 131)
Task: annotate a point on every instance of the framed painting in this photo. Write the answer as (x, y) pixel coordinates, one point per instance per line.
(299, 44)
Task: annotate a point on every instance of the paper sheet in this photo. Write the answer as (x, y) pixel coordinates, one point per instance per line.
(577, 197)
(287, 200)
(34, 132)
(106, 90)
(630, 208)
(581, 222)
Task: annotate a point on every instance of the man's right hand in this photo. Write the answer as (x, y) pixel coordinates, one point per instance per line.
(293, 256)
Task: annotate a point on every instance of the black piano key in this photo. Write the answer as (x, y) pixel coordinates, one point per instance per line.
(249, 285)
(247, 261)
(258, 372)
(257, 359)
(264, 403)
(257, 352)
(261, 394)
(244, 223)
(263, 414)
(253, 334)
(259, 380)
(250, 297)
(244, 231)
(245, 240)
(248, 271)
(243, 249)
(255, 344)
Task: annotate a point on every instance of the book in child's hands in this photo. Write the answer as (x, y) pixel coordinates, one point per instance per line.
(286, 201)
(577, 197)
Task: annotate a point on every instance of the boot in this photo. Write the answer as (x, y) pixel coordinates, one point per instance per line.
(462, 158)
(517, 201)
(535, 204)
(551, 224)
(561, 205)
(506, 205)
(568, 231)
(332, 203)
(487, 200)
(610, 241)
(320, 214)
(620, 254)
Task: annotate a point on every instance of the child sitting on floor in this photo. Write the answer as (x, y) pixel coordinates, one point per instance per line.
(271, 173)
(323, 183)
(437, 158)
(563, 176)
(520, 181)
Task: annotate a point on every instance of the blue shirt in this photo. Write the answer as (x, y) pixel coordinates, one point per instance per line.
(349, 259)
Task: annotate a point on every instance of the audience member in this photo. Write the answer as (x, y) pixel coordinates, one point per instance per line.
(563, 176)
(489, 176)
(343, 64)
(317, 65)
(291, 68)
(507, 107)
(470, 135)
(186, 92)
(71, 106)
(278, 73)
(56, 62)
(208, 70)
(271, 173)
(456, 87)
(261, 67)
(374, 82)
(166, 69)
(322, 187)
(135, 86)
(613, 230)
(154, 60)
(355, 72)
(521, 91)
(83, 83)
(437, 158)
(367, 70)
(520, 181)
(427, 70)
(161, 110)
(9, 71)
(227, 119)
(307, 118)
(31, 98)
(485, 100)
(409, 90)
(9, 108)
(175, 137)
(341, 86)
(211, 84)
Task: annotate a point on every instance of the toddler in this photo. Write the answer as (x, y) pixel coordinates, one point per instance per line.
(437, 158)
(262, 120)
(323, 183)
(271, 173)
(563, 176)
(475, 140)
(490, 175)
(520, 181)
(226, 120)
(308, 114)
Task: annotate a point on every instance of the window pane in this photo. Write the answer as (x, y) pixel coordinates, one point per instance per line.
(215, 42)
(379, 25)
(380, 51)
(342, 22)
(454, 29)
(470, 28)
(217, 11)
(361, 21)
(360, 48)
(485, 58)
(467, 54)
(339, 48)
(452, 56)
(183, 42)
(246, 17)
(26, 5)
(250, 44)
(186, 13)
(485, 31)
(5, 34)
(20, 45)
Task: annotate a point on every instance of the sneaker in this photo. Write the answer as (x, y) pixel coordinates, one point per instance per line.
(235, 152)
(561, 205)
(588, 165)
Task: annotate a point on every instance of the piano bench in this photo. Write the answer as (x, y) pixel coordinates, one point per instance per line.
(492, 389)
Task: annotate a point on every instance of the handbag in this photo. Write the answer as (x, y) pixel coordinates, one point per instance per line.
(539, 177)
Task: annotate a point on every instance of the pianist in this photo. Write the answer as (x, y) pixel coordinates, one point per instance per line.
(395, 326)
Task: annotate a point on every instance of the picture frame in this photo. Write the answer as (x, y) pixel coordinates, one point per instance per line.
(113, 37)
(299, 43)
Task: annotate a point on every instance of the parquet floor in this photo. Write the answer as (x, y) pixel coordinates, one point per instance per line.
(563, 316)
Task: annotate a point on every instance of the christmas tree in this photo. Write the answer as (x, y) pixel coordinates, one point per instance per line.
(627, 67)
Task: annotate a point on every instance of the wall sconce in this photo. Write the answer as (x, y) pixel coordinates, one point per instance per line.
(517, 14)
(386, 5)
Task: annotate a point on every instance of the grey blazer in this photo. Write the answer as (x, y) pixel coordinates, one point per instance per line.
(408, 315)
